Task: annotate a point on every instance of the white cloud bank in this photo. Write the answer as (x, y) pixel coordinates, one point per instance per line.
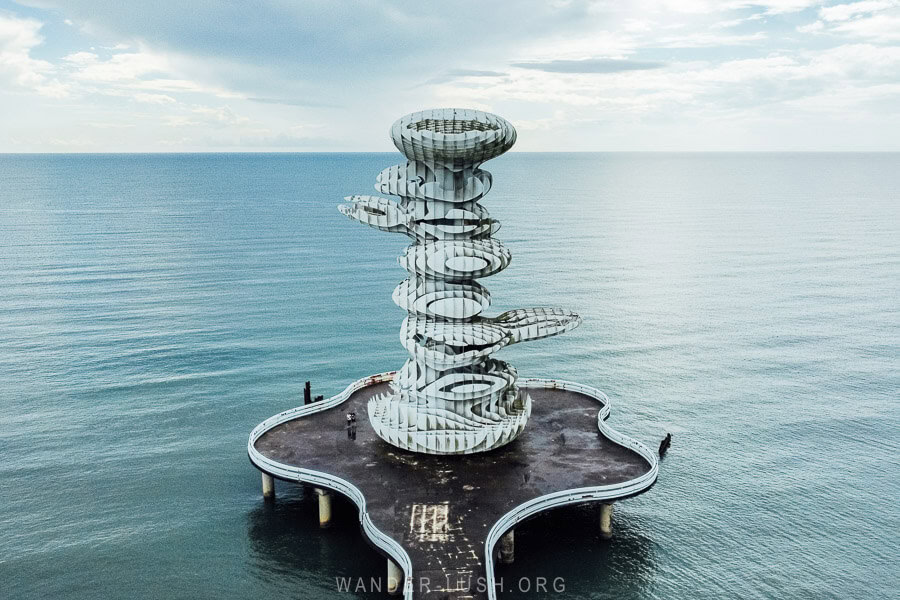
(17, 67)
(572, 74)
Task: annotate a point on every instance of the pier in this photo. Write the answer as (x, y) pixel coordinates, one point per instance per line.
(444, 520)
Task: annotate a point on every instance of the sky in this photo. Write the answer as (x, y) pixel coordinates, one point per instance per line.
(333, 75)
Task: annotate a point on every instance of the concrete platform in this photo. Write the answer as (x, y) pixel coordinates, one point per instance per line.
(446, 513)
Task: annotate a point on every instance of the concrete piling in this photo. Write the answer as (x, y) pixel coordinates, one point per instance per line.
(606, 520)
(324, 508)
(508, 547)
(268, 485)
(394, 578)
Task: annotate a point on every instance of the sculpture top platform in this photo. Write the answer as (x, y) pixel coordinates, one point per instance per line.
(452, 137)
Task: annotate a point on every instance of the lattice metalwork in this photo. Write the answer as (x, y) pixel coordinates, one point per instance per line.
(450, 397)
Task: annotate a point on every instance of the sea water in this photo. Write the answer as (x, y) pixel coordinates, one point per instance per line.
(155, 308)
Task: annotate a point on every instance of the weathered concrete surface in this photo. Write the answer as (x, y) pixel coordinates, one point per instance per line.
(440, 508)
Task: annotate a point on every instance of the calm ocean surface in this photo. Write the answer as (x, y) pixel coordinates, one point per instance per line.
(155, 308)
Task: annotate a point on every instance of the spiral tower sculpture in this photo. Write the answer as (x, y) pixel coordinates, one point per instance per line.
(450, 397)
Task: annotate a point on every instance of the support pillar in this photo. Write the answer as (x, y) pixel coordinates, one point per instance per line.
(606, 521)
(394, 578)
(268, 484)
(508, 547)
(324, 508)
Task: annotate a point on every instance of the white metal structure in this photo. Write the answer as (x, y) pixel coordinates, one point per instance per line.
(450, 397)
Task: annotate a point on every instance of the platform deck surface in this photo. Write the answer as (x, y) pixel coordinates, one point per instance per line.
(440, 508)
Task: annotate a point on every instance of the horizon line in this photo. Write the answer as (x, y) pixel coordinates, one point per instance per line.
(163, 152)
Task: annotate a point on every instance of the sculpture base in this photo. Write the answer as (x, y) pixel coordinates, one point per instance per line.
(428, 430)
(440, 517)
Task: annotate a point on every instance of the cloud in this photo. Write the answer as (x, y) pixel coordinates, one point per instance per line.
(293, 102)
(776, 7)
(871, 20)
(592, 42)
(144, 75)
(222, 114)
(455, 74)
(843, 12)
(154, 98)
(589, 65)
(322, 41)
(354, 67)
(294, 137)
(880, 28)
(18, 37)
(81, 58)
(121, 68)
(474, 73)
(704, 39)
(185, 86)
(856, 74)
(814, 27)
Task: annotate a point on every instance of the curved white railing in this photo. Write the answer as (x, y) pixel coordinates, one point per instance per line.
(578, 495)
(324, 480)
(506, 522)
